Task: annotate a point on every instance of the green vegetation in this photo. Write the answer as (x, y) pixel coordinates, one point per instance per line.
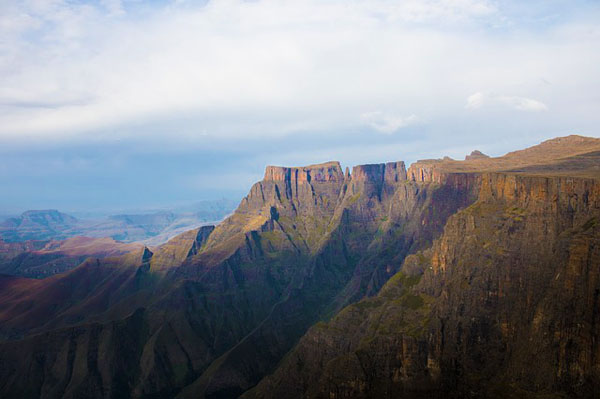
(515, 213)
(353, 198)
(412, 301)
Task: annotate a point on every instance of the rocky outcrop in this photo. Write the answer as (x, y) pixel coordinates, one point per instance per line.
(395, 172)
(372, 173)
(424, 171)
(391, 172)
(356, 232)
(326, 172)
(173, 253)
(476, 155)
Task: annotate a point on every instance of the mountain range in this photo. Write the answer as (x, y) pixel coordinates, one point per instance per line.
(474, 278)
(151, 228)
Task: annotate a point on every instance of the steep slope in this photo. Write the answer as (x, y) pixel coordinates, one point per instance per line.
(513, 282)
(303, 243)
(181, 247)
(213, 311)
(30, 306)
(40, 259)
(353, 243)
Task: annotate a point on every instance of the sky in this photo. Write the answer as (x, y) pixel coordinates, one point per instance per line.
(115, 105)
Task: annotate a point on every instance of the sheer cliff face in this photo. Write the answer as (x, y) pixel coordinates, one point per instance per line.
(477, 259)
(215, 310)
(326, 239)
(504, 304)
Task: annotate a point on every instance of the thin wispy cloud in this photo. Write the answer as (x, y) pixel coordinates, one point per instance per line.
(479, 100)
(387, 123)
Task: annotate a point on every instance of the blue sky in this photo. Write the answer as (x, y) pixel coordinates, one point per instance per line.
(113, 105)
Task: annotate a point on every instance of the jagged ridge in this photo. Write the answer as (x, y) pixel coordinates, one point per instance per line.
(208, 315)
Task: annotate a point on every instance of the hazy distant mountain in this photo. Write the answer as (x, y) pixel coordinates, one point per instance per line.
(153, 228)
(130, 228)
(38, 225)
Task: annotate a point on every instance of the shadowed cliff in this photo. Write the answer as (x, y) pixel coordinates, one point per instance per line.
(504, 304)
(303, 243)
(469, 254)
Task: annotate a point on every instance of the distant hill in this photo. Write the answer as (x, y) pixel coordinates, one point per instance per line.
(152, 228)
(38, 225)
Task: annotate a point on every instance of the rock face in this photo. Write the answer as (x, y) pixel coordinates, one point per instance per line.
(448, 279)
(180, 248)
(327, 172)
(512, 282)
(223, 306)
(330, 238)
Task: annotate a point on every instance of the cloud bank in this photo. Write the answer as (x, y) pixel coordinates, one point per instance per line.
(267, 68)
(123, 103)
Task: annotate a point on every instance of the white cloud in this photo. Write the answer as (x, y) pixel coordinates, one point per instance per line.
(387, 123)
(479, 100)
(476, 100)
(523, 103)
(236, 69)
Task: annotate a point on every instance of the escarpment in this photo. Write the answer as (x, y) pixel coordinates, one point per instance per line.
(234, 299)
(512, 282)
(444, 279)
(346, 235)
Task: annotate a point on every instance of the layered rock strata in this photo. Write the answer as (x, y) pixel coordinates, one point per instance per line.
(513, 281)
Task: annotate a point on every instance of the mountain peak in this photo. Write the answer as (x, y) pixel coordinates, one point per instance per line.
(328, 171)
(391, 171)
(46, 213)
(476, 154)
(36, 224)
